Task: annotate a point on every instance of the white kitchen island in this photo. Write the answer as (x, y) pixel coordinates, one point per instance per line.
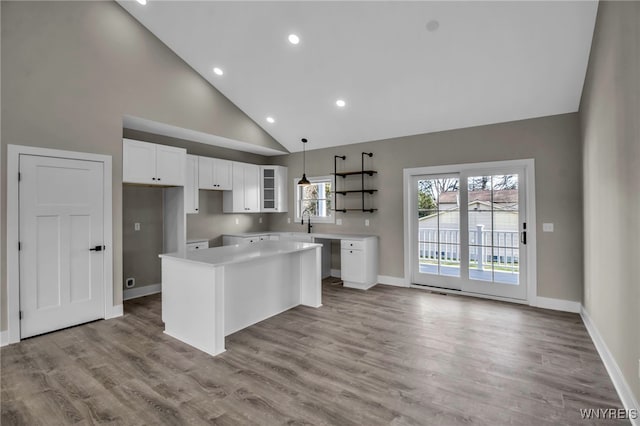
(211, 293)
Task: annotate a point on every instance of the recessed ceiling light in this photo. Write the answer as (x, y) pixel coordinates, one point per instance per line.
(294, 39)
(271, 120)
(341, 103)
(218, 71)
(142, 2)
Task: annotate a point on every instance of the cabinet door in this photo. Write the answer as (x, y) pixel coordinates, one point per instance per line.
(138, 162)
(268, 189)
(352, 265)
(237, 188)
(191, 185)
(251, 188)
(205, 173)
(282, 193)
(222, 174)
(170, 165)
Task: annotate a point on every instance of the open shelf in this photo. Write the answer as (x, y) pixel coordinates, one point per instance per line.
(355, 210)
(359, 172)
(370, 191)
(362, 172)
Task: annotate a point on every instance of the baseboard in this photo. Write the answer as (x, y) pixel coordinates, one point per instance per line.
(4, 338)
(114, 312)
(336, 273)
(557, 304)
(619, 382)
(133, 293)
(394, 281)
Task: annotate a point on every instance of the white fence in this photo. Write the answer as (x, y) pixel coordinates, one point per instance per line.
(503, 250)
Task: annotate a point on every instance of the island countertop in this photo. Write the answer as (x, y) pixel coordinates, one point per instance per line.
(318, 235)
(225, 255)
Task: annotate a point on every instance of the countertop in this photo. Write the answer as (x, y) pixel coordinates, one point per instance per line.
(227, 255)
(319, 235)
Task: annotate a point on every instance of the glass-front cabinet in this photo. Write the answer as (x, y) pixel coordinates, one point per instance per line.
(273, 186)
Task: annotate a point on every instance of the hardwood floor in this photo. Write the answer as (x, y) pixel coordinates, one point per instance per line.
(384, 356)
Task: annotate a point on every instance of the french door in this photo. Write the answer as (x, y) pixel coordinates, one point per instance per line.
(470, 231)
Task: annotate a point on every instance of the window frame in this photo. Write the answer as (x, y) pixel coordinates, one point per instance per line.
(331, 217)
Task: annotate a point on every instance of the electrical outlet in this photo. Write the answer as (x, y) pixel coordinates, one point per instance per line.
(338, 221)
(237, 221)
(136, 226)
(547, 227)
(366, 222)
(259, 220)
(288, 220)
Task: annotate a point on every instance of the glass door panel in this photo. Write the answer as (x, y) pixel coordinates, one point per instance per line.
(438, 230)
(495, 221)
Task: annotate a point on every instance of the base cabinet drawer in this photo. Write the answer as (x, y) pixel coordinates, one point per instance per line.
(198, 245)
(353, 268)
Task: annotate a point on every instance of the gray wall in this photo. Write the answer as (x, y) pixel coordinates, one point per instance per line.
(553, 142)
(144, 205)
(610, 112)
(71, 70)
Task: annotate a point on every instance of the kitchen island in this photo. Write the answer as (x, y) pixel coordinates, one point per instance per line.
(210, 293)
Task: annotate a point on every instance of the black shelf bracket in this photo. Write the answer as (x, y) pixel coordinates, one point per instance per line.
(369, 154)
(335, 180)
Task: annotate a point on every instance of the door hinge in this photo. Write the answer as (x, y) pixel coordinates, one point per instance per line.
(20, 314)
(19, 246)
(19, 176)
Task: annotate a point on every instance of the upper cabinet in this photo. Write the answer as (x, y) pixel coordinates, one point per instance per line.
(191, 202)
(273, 189)
(244, 196)
(214, 173)
(148, 163)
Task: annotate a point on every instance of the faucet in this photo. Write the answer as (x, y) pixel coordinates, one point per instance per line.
(309, 225)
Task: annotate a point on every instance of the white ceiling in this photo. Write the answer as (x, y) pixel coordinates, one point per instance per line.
(488, 62)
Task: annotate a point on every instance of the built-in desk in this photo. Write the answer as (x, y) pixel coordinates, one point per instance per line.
(358, 253)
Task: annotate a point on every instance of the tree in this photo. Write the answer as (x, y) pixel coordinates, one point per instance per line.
(426, 205)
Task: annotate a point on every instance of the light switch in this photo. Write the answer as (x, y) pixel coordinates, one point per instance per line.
(259, 220)
(338, 221)
(237, 221)
(547, 227)
(136, 226)
(288, 220)
(366, 222)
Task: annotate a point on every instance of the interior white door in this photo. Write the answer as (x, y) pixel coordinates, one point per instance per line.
(61, 243)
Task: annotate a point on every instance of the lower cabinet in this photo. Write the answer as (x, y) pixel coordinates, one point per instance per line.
(359, 263)
(197, 245)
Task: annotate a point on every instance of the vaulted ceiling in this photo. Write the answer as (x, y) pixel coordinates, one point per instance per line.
(402, 68)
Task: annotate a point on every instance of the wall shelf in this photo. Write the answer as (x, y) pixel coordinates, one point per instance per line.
(362, 172)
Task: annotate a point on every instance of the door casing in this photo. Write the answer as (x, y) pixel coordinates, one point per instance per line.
(409, 226)
(13, 215)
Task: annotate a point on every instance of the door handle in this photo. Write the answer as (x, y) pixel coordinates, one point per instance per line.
(98, 248)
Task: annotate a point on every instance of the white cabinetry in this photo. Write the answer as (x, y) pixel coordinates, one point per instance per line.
(273, 189)
(197, 245)
(191, 202)
(214, 173)
(244, 196)
(153, 164)
(359, 263)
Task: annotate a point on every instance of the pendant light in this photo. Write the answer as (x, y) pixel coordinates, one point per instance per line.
(304, 181)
